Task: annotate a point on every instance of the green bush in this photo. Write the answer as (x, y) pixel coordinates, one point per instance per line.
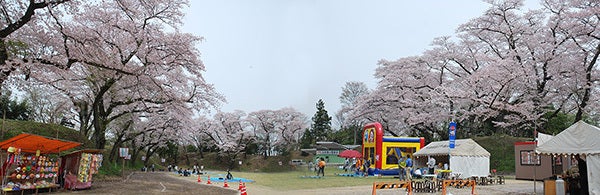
(502, 151)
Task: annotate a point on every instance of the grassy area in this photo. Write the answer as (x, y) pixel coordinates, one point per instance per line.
(293, 180)
(502, 150)
(11, 128)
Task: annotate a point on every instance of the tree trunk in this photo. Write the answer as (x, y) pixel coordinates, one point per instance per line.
(187, 157)
(5, 72)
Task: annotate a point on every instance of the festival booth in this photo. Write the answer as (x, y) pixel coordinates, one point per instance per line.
(79, 166)
(530, 166)
(32, 163)
(582, 139)
(466, 159)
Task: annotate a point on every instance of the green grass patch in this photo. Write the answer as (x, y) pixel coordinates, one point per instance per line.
(502, 150)
(293, 180)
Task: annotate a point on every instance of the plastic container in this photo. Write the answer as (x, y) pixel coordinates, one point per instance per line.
(560, 186)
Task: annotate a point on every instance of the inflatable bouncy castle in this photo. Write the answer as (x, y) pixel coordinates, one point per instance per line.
(383, 152)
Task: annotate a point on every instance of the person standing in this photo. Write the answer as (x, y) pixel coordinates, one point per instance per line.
(431, 165)
(408, 169)
(346, 164)
(367, 164)
(358, 166)
(401, 166)
(583, 180)
(321, 167)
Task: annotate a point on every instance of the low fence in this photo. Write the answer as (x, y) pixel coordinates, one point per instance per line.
(392, 185)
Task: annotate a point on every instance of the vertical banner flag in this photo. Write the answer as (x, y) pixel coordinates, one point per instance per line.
(452, 134)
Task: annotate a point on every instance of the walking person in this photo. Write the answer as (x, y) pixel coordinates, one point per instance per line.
(408, 169)
(321, 167)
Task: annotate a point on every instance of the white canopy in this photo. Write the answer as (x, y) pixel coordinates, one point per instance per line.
(467, 157)
(462, 147)
(543, 138)
(579, 138)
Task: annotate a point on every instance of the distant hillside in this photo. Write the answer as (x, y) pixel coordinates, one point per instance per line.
(502, 150)
(11, 128)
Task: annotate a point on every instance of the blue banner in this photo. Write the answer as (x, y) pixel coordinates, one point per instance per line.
(452, 134)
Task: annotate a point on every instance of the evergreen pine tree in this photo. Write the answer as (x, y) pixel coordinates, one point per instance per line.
(307, 139)
(321, 126)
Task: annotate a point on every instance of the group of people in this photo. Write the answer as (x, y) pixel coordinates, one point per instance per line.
(405, 168)
(185, 172)
(319, 166)
(361, 166)
(145, 169)
(406, 171)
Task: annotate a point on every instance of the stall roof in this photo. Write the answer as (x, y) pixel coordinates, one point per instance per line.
(330, 146)
(463, 147)
(91, 151)
(31, 143)
(579, 138)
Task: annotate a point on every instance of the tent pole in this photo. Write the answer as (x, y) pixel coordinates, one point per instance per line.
(535, 163)
(1, 138)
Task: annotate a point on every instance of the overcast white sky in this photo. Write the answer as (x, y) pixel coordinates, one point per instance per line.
(270, 54)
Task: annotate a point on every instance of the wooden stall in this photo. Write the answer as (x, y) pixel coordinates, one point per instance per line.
(79, 167)
(32, 163)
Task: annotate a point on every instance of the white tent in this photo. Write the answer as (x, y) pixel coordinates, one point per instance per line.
(579, 138)
(467, 158)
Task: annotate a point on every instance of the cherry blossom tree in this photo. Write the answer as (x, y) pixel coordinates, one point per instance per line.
(351, 92)
(506, 69)
(230, 133)
(14, 15)
(123, 56)
(277, 129)
(197, 134)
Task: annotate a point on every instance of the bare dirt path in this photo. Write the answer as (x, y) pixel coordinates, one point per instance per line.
(153, 183)
(514, 187)
(167, 183)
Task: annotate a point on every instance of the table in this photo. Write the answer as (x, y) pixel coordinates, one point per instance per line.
(445, 173)
(31, 190)
(430, 176)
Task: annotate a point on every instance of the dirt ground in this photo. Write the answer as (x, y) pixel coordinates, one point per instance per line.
(514, 187)
(166, 183)
(153, 183)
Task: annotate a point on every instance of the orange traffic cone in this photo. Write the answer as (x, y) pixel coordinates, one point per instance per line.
(199, 179)
(243, 191)
(241, 186)
(208, 180)
(225, 185)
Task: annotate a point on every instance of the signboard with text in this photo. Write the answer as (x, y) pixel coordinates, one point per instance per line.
(123, 152)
